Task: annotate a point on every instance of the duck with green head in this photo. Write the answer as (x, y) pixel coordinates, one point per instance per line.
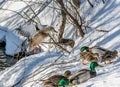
(84, 48)
(58, 80)
(69, 79)
(84, 74)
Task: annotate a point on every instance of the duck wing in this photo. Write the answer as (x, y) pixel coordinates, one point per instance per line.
(81, 72)
(54, 79)
(80, 77)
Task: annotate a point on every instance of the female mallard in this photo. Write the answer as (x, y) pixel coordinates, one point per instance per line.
(84, 74)
(39, 37)
(89, 57)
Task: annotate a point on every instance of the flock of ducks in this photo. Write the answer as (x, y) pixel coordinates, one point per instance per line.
(43, 32)
(97, 53)
(67, 78)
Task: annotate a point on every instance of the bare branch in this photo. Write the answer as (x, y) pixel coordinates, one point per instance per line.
(90, 3)
(74, 20)
(41, 9)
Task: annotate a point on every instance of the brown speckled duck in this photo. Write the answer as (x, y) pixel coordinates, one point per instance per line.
(97, 53)
(39, 37)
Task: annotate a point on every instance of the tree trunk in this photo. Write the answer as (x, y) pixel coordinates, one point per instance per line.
(76, 3)
(63, 22)
(74, 20)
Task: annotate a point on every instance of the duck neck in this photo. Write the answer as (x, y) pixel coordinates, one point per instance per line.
(93, 65)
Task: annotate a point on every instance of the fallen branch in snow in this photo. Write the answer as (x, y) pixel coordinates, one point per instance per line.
(90, 3)
(102, 30)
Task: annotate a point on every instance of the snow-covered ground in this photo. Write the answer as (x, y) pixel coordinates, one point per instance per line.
(29, 71)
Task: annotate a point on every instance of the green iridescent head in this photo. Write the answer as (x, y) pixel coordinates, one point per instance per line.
(63, 82)
(93, 65)
(84, 48)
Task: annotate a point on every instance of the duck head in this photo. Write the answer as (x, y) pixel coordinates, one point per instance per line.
(67, 73)
(93, 65)
(84, 48)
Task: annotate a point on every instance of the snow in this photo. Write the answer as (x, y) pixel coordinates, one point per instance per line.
(29, 71)
(13, 43)
(2, 36)
(108, 76)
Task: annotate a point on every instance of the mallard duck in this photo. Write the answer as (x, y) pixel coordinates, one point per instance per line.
(109, 56)
(67, 42)
(57, 80)
(39, 37)
(89, 57)
(53, 81)
(104, 54)
(84, 74)
(99, 53)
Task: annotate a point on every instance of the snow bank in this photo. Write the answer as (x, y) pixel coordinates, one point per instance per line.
(2, 35)
(37, 67)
